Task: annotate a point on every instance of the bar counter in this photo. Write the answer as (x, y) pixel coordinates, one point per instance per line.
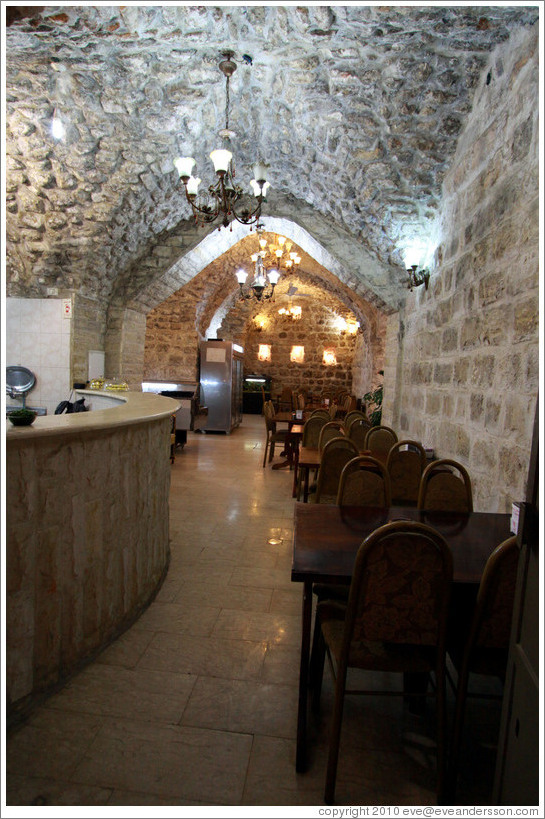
(87, 534)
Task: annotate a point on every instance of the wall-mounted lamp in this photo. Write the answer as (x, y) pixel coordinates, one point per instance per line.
(329, 358)
(297, 355)
(417, 277)
(264, 352)
(57, 126)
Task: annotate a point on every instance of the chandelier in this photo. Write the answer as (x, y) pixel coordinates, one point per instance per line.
(292, 312)
(223, 200)
(277, 252)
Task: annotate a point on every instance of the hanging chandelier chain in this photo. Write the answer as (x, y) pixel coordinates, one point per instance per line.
(227, 103)
(224, 200)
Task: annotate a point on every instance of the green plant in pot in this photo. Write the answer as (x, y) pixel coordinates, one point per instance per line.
(22, 417)
(373, 402)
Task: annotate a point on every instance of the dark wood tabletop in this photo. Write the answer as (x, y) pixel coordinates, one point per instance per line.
(326, 539)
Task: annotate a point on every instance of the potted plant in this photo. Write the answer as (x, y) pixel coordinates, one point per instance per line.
(373, 403)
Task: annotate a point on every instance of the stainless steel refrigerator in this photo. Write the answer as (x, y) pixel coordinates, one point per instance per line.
(221, 376)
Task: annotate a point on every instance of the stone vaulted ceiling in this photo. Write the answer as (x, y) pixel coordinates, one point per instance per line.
(356, 108)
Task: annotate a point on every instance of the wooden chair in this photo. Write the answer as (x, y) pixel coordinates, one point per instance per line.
(485, 649)
(335, 454)
(380, 439)
(332, 429)
(406, 463)
(394, 621)
(445, 485)
(310, 438)
(357, 431)
(273, 436)
(351, 416)
(285, 400)
(333, 409)
(364, 481)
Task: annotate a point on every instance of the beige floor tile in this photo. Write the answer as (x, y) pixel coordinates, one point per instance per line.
(180, 617)
(244, 706)
(120, 692)
(260, 578)
(127, 649)
(37, 792)
(258, 626)
(169, 761)
(209, 656)
(243, 598)
(281, 664)
(51, 744)
(272, 779)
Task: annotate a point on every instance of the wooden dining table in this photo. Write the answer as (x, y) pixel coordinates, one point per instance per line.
(326, 539)
(295, 432)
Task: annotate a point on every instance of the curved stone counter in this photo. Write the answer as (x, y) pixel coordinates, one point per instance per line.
(87, 534)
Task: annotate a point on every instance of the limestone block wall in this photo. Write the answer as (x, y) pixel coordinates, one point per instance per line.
(315, 332)
(466, 376)
(124, 346)
(87, 545)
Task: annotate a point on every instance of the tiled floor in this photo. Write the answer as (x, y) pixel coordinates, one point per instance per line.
(196, 704)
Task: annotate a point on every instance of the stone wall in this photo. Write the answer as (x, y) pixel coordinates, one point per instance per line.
(125, 342)
(466, 379)
(316, 332)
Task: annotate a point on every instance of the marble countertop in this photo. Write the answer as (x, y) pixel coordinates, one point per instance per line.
(134, 408)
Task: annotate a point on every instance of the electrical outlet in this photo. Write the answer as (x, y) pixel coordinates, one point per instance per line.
(52, 291)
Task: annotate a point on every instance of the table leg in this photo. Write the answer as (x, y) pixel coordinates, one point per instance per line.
(305, 490)
(295, 470)
(301, 757)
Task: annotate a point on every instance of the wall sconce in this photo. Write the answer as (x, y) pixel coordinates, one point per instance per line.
(417, 277)
(329, 358)
(297, 355)
(260, 323)
(264, 353)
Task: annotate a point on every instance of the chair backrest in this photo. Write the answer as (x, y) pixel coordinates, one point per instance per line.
(380, 439)
(285, 400)
(350, 416)
(406, 463)
(333, 407)
(335, 454)
(400, 587)
(445, 485)
(364, 481)
(331, 429)
(321, 412)
(300, 401)
(357, 431)
(491, 628)
(311, 430)
(348, 403)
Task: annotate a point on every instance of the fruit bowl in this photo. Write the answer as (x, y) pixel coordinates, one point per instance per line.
(22, 417)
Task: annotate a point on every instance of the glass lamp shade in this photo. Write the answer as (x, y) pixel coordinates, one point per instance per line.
(184, 166)
(260, 172)
(193, 185)
(257, 190)
(221, 159)
(241, 276)
(273, 275)
(253, 257)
